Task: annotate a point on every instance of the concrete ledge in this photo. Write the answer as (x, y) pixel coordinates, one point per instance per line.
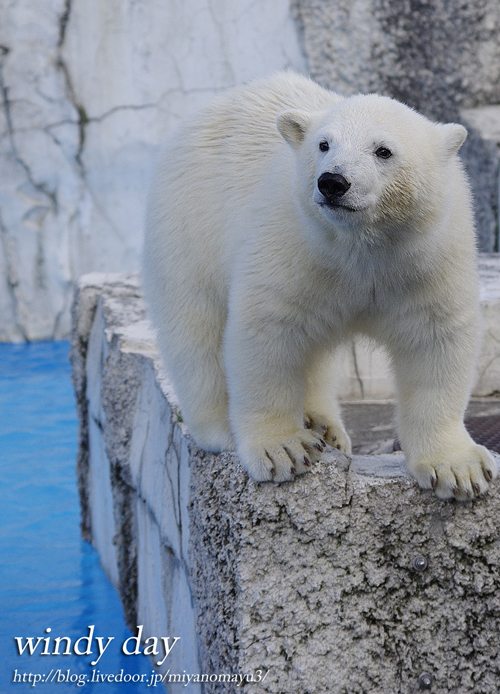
(320, 583)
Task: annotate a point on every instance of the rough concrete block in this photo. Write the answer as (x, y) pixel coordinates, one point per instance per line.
(348, 580)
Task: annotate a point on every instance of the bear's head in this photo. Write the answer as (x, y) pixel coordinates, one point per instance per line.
(371, 161)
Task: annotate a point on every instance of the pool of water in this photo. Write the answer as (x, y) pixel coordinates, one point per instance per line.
(51, 583)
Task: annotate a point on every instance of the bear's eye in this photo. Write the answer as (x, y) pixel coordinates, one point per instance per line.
(324, 146)
(383, 152)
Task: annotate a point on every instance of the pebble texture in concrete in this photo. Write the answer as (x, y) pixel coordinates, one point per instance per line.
(348, 580)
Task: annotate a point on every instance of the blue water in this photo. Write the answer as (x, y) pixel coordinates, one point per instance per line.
(49, 577)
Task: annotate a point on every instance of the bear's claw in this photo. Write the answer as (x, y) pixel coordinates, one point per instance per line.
(281, 461)
(463, 475)
(332, 433)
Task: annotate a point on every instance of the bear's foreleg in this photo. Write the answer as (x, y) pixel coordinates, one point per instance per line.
(433, 378)
(266, 373)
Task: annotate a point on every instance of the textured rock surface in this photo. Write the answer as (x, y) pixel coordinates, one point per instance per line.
(484, 164)
(325, 593)
(105, 409)
(486, 119)
(312, 582)
(88, 91)
(436, 56)
(133, 464)
(488, 372)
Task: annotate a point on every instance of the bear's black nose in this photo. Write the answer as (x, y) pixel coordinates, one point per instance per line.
(333, 186)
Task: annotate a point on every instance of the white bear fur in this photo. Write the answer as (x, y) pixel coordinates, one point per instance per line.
(252, 281)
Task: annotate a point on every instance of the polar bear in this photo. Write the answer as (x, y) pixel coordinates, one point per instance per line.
(285, 218)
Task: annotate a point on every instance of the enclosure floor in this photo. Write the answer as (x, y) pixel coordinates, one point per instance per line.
(371, 425)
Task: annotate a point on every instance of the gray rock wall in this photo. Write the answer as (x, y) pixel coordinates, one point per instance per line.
(348, 580)
(437, 56)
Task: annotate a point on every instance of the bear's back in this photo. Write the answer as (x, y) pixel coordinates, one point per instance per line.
(236, 134)
(244, 118)
(247, 114)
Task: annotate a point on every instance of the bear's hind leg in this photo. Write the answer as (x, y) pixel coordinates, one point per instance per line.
(205, 407)
(192, 352)
(208, 419)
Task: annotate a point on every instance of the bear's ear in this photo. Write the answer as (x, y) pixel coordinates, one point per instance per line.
(293, 126)
(453, 136)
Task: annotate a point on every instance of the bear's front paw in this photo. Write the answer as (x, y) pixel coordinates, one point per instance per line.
(461, 474)
(333, 432)
(282, 460)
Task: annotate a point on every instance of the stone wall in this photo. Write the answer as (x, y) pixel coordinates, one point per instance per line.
(348, 580)
(438, 56)
(89, 89)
